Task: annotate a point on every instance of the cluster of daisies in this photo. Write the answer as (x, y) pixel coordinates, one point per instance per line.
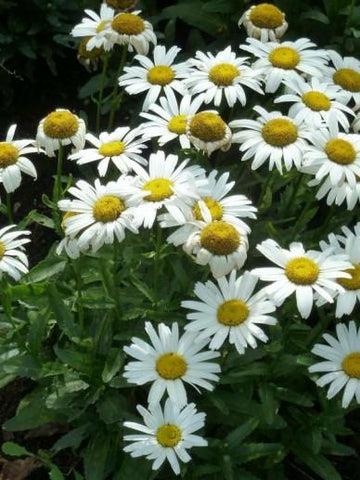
(319, 136)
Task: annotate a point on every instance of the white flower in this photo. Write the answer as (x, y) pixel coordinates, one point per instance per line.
(229, 309)
(155, 77)
(166, 434)
(301, 272)
(169, 362)
(341, 367)
(89, 59)
(221, 75)
(314, 102)
(338, 194)
(13, 260)
(97, 27)
(132, 30)
(279, 62)
(356, 124)
(60, 127)
(168, 121)
(265, 22)
(103, 212)
(272, 136)
(333, 154)
(13, 161)
(121, 147)
(207, 131)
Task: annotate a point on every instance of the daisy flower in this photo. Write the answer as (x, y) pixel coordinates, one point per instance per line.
(103, 212)
(338, 194)
(272, 136)
(168, 121)
(155, 77)
(265, 22)
(13, 160)
(60, 127)
(166, 434)
(229, 309)
(314, 102)
(68, 244)
(97, 27)
(345, 73)
(132, 30)
(303, 273)
(121, 4)
(207, 131)
(280, 62)
(89, 58)
(341, 365)
(333, 154)
(121, 147)
(13, 260)
(165, 184)
(221, 75)
(169, 362)
(356, 124)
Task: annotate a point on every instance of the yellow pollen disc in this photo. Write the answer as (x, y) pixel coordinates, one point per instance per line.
(108, 208)
(2, 249)
(266, 15)
(120, 4)
(128, 24)
(316, 101)
(284, 57)
(352, 283)
(216, 210)
(232, 312)
(171, 366)
(112, 149)
(348, 79)
(83, 52)
(61, 124)
(208, 127)
(168, 435)
(160, 189)
(65, 217)
(302, 271)
(160, 75)
(340, 151)
(8, 154)
(177, 124)
(279, 132)
(223, 74)
(101, 26)
(220, 238)
(351, 365)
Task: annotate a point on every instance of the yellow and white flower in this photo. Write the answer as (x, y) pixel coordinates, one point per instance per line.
(89, 58)
(341, 365)
(155, 77)
(345, 73)
(60, 127)
(121, 4)
(13, 260)
(166, 435)
(97, 27)
(13, 161)
(130, 29)
(265, 22)
(207, 131)
(222, 75)
(121, 147)
(356, 124)
(280, 62)
(338, 194)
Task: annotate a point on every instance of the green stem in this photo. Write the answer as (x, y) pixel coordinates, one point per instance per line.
(101, 91)
(295, 191)
(350, 14)
(156, 271)
(7, 305)
(57, 192)
(115, 96)
(9, 208)
(79, 285)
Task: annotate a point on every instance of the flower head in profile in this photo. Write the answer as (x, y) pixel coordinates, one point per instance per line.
(265, 22)
(128, 28)
(345, 74)
(96, 28)
(338, 194)
(13, 260)
(121, 4)
(207, 131)
(89, 58)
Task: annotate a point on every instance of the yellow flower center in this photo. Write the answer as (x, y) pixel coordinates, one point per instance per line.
(177, 124)
(8, 154)
(316, 101)
(352, 283)
(340, 151)
(160, 189)
(348, 79)
(284, 57)
(120, 4)
(111, 149)
(128, 24)
(279, 132)
(168, 435)
(60, 124)
(220, 238)
(2, 249)
(65, 217)
(171, 366)
(216, 210)
(208, 127)
(302, 271)
(266, 15)
(223, 74)
(351, 365)
(232, 312)
(108, 208)
(83, 52)
(160, 75)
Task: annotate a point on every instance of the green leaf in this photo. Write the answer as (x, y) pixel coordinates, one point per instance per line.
(269, 404)
(95, 456)
(318, 464)
(55, 473)
(39, 218)
(14, 450)
(83, 362)
(45, 269)
(194, 14)
(235, 437)
(31, 415)
(111, 407)
(315, 15)
(112, 365)
(73, 438)
(63, 316)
